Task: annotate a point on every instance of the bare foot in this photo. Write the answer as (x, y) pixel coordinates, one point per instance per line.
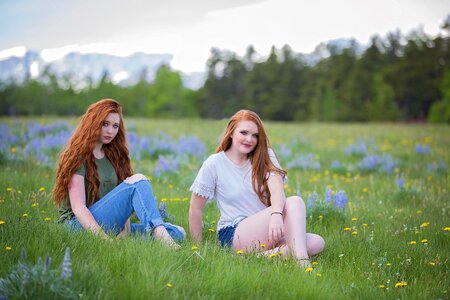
(282, 250)
(160, 233)
(304, 263)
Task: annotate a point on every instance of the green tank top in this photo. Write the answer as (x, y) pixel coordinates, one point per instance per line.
(108, 181)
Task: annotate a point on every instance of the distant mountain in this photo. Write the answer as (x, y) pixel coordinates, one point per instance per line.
(131, 69)
(92, 66)
(325, 49)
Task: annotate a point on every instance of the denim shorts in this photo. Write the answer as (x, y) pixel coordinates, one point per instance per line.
(226, 235)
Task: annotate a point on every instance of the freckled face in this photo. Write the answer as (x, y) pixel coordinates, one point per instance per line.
(245, 137)
(110, 127)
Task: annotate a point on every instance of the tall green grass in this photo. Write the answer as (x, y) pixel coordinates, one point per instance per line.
(364, 262)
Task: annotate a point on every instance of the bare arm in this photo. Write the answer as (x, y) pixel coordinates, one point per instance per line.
(195, 217)
(77, 198)
(278, 200)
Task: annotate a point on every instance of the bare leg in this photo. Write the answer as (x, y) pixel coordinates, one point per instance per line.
(160, 233)
(253, 231)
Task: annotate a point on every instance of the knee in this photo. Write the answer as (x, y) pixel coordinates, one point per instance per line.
(295, 202)
(136, 178)
(316, 244)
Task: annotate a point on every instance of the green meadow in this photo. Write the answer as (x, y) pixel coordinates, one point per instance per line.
(390, 241)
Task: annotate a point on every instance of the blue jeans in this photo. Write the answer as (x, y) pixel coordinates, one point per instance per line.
(113, 210)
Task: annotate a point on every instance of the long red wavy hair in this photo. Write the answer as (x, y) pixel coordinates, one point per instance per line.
(262, 165)
(80, 149)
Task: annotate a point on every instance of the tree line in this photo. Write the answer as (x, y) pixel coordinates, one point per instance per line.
(398, 78)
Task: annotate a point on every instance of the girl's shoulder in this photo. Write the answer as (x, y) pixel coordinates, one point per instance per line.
(214, 158)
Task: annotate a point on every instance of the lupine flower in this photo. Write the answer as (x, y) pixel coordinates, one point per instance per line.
(162, 210)
(328, 195)
(422, 149)
(48, 261)
(400, 182)
(340, 199)
(67, 265)
(359, 148)
(23, 254)
(305, 162)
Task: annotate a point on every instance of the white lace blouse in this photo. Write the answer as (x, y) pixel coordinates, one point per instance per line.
(231, 185)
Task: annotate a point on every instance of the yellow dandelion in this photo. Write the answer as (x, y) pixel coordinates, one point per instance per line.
(365, 190)
(47, 219)
(41, 189)
(272, 255)
(170, 186)
(388, 264)
(412, 242)
(419, 212)
(424, 241)
(34, 204)
(8, 248)
(416, 231)
(432, 263)
(9, 189)
(240, 252)
(262, 246)
(164, 200)
(347, 229)
(193, 248)
(365, 224)
(309, 270)
(382, 286)
(211, 230)
(401, 284)
(354, 219)
(355, 232)
(2, 222)
(425, 224)
(13, 150)
(315, 263)
(320, 217)
(24, 215)
(169, 285)
(446, 228)
(318, 275)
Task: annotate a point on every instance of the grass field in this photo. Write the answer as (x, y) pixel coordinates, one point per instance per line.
(388, 237)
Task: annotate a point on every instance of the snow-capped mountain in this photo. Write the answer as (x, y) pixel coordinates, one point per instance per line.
(127, 70)
(80, 67)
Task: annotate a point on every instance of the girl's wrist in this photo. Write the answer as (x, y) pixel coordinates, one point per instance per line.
(277, 213)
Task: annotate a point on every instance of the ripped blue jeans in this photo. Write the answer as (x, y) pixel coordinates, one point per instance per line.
(113, 210)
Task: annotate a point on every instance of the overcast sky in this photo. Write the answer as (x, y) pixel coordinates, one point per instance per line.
(189, 28)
